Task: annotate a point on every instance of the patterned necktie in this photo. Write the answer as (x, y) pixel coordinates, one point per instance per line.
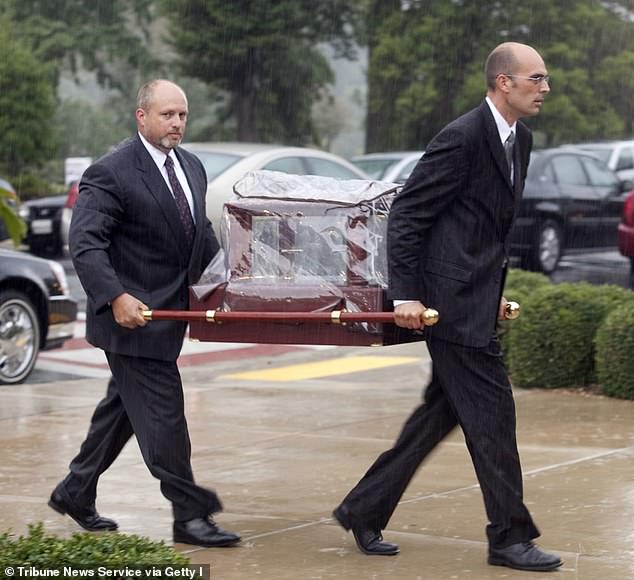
(181, 201)
(508, 152)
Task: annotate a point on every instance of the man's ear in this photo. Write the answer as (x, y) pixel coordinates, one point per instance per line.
(503, 83)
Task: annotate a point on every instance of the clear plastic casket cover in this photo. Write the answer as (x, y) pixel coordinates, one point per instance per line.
(301, 242)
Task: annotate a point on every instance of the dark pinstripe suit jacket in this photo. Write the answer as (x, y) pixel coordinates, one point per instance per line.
(126, 236)
(449, 227)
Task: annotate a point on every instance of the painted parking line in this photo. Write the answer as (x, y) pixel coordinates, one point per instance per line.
(78, 358)
(327, 368)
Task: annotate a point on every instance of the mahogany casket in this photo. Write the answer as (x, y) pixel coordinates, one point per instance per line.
(300, 244)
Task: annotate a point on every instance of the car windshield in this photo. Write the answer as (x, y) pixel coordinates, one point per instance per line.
(602, 153)
(375, 168)
(214, 162)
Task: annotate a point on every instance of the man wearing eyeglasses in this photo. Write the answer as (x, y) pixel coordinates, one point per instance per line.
(448, 241)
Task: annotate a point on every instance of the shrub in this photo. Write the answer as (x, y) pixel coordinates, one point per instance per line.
(85, 551)
(519, 285)
(614, 352)
(30, 186)
(552, 343)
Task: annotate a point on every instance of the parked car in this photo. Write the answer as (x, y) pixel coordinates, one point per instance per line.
(572, 201)
(226, 163)
(626, 230)
(67, 211)
(43, 218)
(36, 312)
(617, 155)
(394, 166)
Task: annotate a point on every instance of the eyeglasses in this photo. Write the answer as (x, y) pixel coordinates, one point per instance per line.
(535, 79)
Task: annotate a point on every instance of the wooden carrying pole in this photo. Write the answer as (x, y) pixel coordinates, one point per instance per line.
(430, 316)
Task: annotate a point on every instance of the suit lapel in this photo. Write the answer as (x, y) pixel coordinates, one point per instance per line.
(157, 188)
(495, 144)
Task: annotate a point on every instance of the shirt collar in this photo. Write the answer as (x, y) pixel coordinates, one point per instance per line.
(157, 155)
(503, 127)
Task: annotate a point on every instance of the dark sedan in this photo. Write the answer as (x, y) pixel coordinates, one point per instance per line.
(43, 218)
(572, 201)
(36, 312)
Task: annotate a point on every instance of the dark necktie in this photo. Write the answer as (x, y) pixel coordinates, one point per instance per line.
(508, 152)
(181, 201)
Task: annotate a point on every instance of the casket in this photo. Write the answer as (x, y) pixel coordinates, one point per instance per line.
(300, 244)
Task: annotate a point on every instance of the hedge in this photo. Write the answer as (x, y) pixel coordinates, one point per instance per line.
(519, 285)
(85, 551)
(552, 343)
(614, 345)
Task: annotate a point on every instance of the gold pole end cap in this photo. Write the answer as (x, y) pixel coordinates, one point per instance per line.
(512, 310)
(430, 317)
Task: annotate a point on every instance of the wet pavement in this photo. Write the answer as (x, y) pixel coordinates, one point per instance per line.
(283, 453)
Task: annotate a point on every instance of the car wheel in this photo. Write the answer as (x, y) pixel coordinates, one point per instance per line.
(19, 337)
(547, 248)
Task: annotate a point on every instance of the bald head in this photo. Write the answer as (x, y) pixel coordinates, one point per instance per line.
(148, 91)
(506, 58)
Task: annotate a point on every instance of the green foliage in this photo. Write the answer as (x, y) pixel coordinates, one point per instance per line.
(617, 80)
(518, 286)
(27, 103)
(85, 551)
(31, 186)
(426, 66)
(551, 344)
(101, 37)
(111, 40)
(15, 226)
(263, 54)
(520, 283)
(614, 344)
(94, 129)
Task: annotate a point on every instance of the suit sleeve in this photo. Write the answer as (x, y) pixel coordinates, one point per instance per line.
(97, 213)
(436, 180)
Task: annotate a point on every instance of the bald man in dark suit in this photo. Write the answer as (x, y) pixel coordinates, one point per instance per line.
(448, 242)
(139, 237)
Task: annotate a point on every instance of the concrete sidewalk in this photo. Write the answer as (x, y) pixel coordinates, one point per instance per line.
(283, 453)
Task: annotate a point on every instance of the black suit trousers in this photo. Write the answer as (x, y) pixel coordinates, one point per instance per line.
(470, 388)
(144, 398)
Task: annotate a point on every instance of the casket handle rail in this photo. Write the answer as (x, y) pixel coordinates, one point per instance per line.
(339, 317)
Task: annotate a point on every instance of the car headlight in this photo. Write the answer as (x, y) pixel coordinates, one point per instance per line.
(60, 275)
(24, 212)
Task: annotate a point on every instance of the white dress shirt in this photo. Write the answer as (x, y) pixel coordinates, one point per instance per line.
(159, 158)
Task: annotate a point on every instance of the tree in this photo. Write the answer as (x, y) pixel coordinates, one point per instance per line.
(263, 54)
(93, 36)
(111, 40)
(426, 66)
(27, 104)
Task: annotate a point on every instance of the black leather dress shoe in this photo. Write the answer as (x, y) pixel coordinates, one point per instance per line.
(203, 532)
(524, 556)
(86, 517)
(369, 541)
